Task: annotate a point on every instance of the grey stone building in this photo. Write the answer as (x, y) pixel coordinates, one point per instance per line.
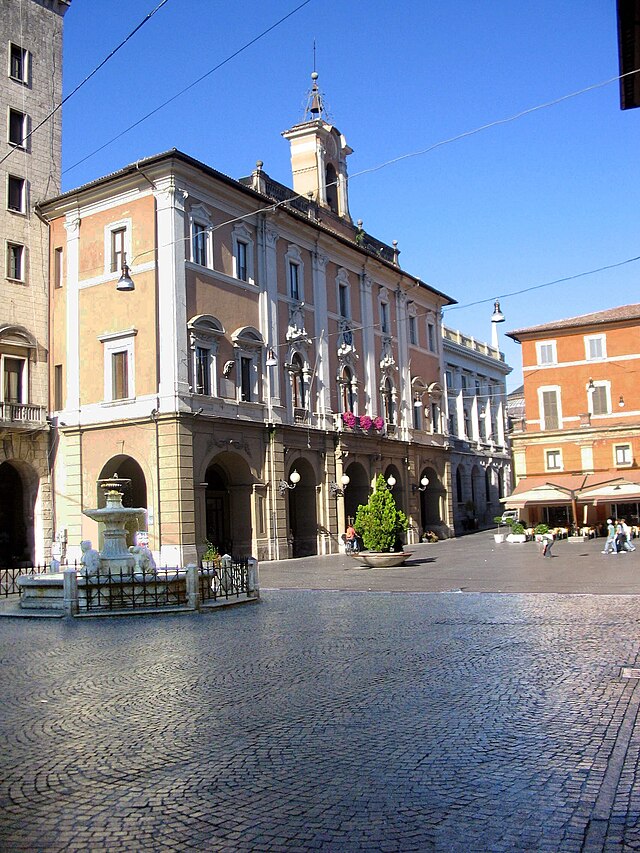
(480, 457)
(30, 165)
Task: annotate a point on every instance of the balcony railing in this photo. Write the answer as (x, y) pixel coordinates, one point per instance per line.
(22, 414)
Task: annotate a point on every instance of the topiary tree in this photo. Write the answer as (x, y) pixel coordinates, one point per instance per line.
(380, 523)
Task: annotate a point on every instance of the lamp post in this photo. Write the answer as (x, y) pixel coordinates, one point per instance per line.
(424, 482)
(391, 481)
(295, 479)
(336, 491)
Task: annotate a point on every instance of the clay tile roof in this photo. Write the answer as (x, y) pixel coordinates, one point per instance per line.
(611, 315)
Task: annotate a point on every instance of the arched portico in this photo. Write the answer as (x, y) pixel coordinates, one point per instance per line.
(18, 492)
(358, 490)
(302, 510)
(134, 493)
(225, 513)
(432, 502)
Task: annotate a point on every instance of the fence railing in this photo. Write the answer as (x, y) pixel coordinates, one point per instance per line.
(228, 580)
(112, 590)
(9, 578)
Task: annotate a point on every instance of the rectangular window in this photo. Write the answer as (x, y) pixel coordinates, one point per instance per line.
(467, 424)
(413, 331)
(599, 400)
(199, 246)
(343, 300)
(17, 128)
(550, 411)
(384, 317)
(117, 249)
(13, 380)
(448, 378)
(241, 261)
(57, 387)
(58, 266)
(595, 347)
(623, 454)
(546, 352)
(16, 194)
(294, 281)
(15, 261)
(120, 375)
(463, 382)
(18, 63)
(203, 373)
(431, 333)
(245, 379)
(553, 460)
(453, 428)
(435, 418)
(417, 417)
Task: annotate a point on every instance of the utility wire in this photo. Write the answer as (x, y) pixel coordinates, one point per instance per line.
(88, 77)
(191, 85)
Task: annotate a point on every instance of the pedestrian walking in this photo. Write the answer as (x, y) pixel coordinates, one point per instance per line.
(627, 544)
(547, 544)
(620, 538)
(610, 544)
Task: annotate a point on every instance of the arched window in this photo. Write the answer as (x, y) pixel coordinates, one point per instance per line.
(331, 187)
(297, 383)
(458, 486)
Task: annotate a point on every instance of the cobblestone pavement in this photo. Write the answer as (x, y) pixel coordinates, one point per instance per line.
(336, 721)
(472, 564)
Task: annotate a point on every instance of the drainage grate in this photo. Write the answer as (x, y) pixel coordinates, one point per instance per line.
(630, 672)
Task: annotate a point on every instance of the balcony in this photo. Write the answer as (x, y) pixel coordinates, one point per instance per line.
(22, 415)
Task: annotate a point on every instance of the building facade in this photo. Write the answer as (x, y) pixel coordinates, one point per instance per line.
(30, 89)
(480, 457)
(576, 449)
(272, 359)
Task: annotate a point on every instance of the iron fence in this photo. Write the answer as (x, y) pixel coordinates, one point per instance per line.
(225, 581)
(113, 590)
(9, 578)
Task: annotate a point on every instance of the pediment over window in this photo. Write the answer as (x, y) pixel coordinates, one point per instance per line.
(247, 336)
(17, 336)
(205, 324)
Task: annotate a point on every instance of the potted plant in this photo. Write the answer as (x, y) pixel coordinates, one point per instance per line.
(211, 557)
(517, 533)
(498, 537)
(380, 524)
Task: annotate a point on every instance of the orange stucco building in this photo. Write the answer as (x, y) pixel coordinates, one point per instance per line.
(576, 450)
(266, 333)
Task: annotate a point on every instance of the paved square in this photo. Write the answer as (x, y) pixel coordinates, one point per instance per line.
(318, 720)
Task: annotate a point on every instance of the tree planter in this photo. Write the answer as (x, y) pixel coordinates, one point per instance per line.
(382, 559)
(498, 537)
(518, 538)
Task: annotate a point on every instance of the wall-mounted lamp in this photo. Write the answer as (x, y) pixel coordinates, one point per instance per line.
(295, 479)
(591, 386)
(621, 402)
(125, 282)
(336, 491)
(391, 481)
(424, 482)
(271, 358)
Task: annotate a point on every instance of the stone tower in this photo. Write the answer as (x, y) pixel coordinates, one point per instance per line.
(319, 157)
(30, 166)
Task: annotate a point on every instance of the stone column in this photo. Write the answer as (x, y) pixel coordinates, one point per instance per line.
(70, 591)
(193, 586)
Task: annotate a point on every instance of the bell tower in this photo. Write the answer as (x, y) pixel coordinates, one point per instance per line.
(319, 156)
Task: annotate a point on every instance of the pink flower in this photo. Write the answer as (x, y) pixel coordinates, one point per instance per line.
(378, 423)
(349, 419)
(365, 423)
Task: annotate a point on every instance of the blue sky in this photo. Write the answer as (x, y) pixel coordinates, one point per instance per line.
(550, 195)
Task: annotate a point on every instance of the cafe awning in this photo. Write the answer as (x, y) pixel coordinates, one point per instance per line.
(539, 491)
(616, 491)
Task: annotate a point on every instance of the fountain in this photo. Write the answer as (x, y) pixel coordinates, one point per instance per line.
(115, 559)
